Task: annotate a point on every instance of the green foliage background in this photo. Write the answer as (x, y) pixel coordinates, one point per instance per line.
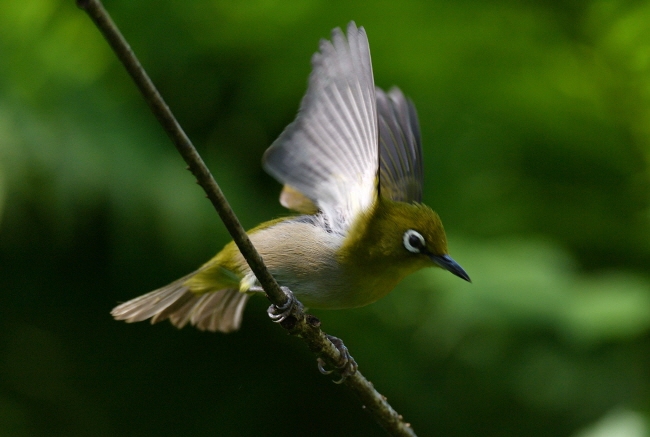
(536, 124)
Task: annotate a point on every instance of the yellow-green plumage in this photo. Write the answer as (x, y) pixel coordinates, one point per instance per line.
(328, 271)
(227, 268)
(373, 255)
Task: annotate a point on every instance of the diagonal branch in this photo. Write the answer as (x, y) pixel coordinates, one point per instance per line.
(307, 327)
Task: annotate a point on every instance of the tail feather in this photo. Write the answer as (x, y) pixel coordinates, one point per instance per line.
(219, 310)
(152, 303)
(183, 300)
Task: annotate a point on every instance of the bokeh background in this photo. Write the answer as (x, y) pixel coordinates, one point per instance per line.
(535, 117)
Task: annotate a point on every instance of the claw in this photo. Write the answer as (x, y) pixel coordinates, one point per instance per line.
(321, 367)
(279, 313)
(347, 366)
(340, 381)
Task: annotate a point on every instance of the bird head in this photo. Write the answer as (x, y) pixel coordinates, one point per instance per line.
(403, 236)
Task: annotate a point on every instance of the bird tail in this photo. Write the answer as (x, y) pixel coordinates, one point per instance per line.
(219, 310)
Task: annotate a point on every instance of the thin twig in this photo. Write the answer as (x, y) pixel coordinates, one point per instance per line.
(307, 327)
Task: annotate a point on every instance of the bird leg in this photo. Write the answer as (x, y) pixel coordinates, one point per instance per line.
(347, 365)
(279, 313)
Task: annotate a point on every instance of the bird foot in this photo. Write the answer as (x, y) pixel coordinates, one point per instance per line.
(347, 365)
(279, 314)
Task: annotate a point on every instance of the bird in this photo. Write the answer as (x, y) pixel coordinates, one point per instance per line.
(352, 171)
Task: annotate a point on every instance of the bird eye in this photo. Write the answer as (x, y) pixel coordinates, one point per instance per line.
(414, 241)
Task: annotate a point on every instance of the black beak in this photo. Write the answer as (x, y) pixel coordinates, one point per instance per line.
(447, 263)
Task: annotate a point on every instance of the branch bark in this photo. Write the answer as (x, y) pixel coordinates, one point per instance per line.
(304, 326)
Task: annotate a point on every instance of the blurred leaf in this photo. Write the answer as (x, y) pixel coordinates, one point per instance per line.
(620, 423)
(526, 284)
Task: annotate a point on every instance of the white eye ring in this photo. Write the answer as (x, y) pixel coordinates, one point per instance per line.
(414, 241)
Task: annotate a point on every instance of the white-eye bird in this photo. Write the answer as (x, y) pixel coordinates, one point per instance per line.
(351, 164)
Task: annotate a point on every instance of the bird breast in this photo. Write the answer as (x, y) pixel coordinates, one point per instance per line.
(301, 255)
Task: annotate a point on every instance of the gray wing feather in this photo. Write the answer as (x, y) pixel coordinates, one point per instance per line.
(400, 147)
(329, 153)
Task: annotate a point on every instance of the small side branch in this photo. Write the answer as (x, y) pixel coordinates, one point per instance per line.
(306, 327)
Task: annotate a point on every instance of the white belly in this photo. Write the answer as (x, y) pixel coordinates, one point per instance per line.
(302, 257)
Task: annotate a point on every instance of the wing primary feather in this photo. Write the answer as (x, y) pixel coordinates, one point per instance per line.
(360, 56)
(336, 160)
(329, 152)
(351, 163)
(400, 147)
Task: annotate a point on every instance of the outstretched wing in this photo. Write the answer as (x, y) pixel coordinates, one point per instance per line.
(400, 147)
(329, 153)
